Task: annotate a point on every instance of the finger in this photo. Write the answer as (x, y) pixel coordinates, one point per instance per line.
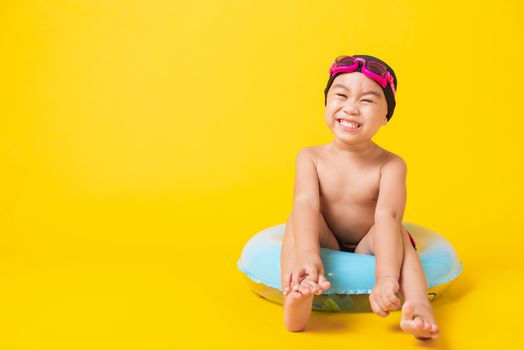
(313, 275)
(315, 288)
(323, 282)
(295, 279)
(373, 304)
(393, 299)
(382, 303)
(322, 285)
(307, 286)
(392, 302)
(303, 277)
(379, 308)
(376, 308)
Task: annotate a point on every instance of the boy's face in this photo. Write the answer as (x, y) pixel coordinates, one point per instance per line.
(349, 98)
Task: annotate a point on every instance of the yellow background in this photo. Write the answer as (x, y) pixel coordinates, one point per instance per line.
(142, 143)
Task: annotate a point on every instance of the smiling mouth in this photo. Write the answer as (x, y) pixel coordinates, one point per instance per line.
(350, 125)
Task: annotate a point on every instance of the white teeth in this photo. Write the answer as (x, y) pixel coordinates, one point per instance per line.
(348, 124)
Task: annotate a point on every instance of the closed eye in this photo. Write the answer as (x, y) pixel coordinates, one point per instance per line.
(342, 95)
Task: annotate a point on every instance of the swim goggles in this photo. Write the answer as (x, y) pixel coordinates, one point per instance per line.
(372, 69)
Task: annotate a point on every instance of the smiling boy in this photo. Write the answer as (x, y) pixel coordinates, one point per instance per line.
(350, 195)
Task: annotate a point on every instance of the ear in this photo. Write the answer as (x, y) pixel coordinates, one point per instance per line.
(385, 121)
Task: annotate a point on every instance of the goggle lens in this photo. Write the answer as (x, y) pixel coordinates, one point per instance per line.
(376, 68)
(373, 66)
(344, 61)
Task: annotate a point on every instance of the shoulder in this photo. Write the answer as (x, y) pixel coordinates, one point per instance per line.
(309, 154)
(393, 163)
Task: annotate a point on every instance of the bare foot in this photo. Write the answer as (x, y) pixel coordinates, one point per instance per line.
(418, 319)
(297, 310)
(298, 301)
(383, 297)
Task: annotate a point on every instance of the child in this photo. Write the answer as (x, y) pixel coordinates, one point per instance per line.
(350, 195)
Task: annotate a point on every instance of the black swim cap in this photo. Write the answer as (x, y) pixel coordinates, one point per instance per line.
(390, 97)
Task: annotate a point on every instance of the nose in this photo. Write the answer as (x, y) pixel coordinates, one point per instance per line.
(350, 107)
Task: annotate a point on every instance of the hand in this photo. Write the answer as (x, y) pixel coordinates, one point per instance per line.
(307, 277)
(383, 298)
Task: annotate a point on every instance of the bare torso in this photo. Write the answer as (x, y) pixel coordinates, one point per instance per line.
(348, 189)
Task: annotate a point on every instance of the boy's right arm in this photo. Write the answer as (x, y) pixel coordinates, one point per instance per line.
(306, 210)
(306, 206)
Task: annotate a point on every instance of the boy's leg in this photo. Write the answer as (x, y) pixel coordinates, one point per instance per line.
(297, 307)
(412, 279)
(417, 312)
(383, 297)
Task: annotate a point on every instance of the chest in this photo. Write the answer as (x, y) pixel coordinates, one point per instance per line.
(348, 183)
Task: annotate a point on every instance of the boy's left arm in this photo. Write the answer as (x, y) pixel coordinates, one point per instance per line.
(389, 212)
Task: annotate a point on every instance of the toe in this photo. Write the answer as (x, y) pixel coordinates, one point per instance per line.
(407, 311)
(408, 326)
(296, 296)
(421, 328)
(419, 324)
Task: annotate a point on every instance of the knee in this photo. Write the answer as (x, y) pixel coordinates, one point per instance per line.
(360, 249)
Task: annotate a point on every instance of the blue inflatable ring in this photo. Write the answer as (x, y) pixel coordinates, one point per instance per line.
(352, 276)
